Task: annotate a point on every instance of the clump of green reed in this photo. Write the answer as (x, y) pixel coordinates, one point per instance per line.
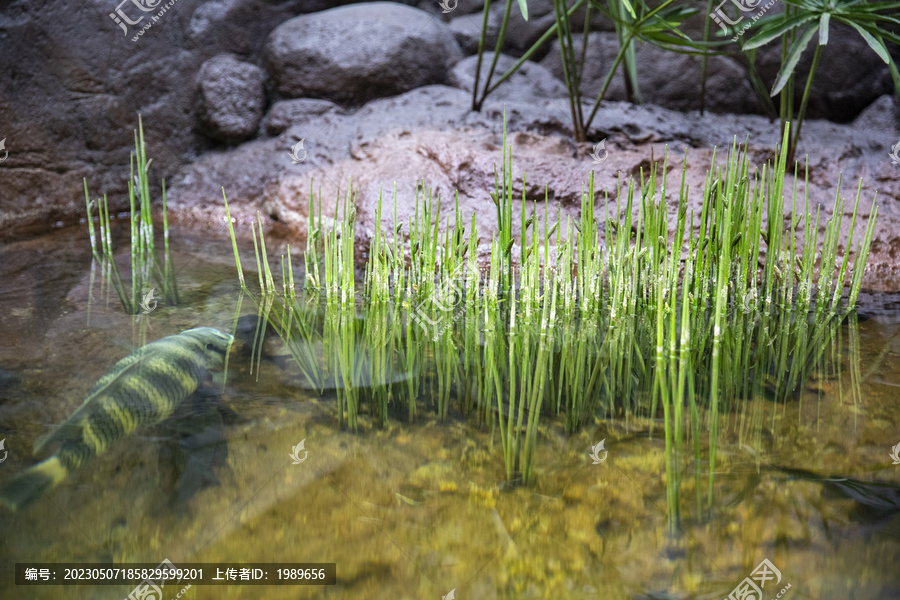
(295, 314)
(632, 315)
(145, 262)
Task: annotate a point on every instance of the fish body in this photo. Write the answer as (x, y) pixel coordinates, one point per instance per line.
(142, 389)
(875, 501)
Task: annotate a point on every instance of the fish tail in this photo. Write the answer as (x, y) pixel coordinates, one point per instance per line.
(33, 483)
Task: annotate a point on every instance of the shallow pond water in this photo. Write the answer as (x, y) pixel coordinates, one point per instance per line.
(415, 511)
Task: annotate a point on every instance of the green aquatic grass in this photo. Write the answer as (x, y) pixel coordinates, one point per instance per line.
(685, 318)
(146, 268)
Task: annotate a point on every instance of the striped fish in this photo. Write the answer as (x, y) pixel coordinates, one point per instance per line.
(141, 389)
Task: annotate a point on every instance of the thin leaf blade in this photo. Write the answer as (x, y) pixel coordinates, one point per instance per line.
(793, 57)
(874, 44)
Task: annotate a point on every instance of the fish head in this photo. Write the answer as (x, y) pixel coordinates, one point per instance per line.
(210, 344)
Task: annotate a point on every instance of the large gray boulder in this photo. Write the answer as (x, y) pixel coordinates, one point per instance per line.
(241, 26)
(849, 77)
(231, 98)
(530, 81)
(355, 53)
(286, 113)
(522, 35)
(665, 78)
(467, 16)
(467, 30)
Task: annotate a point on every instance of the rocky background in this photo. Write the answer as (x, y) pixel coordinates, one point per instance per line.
(380, 94)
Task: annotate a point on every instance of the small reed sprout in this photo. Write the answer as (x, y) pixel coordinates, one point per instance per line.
(145, 262)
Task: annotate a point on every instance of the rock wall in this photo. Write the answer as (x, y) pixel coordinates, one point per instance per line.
(75, 77)
(207, 76)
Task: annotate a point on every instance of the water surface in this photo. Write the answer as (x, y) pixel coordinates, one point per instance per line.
(413, 511)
